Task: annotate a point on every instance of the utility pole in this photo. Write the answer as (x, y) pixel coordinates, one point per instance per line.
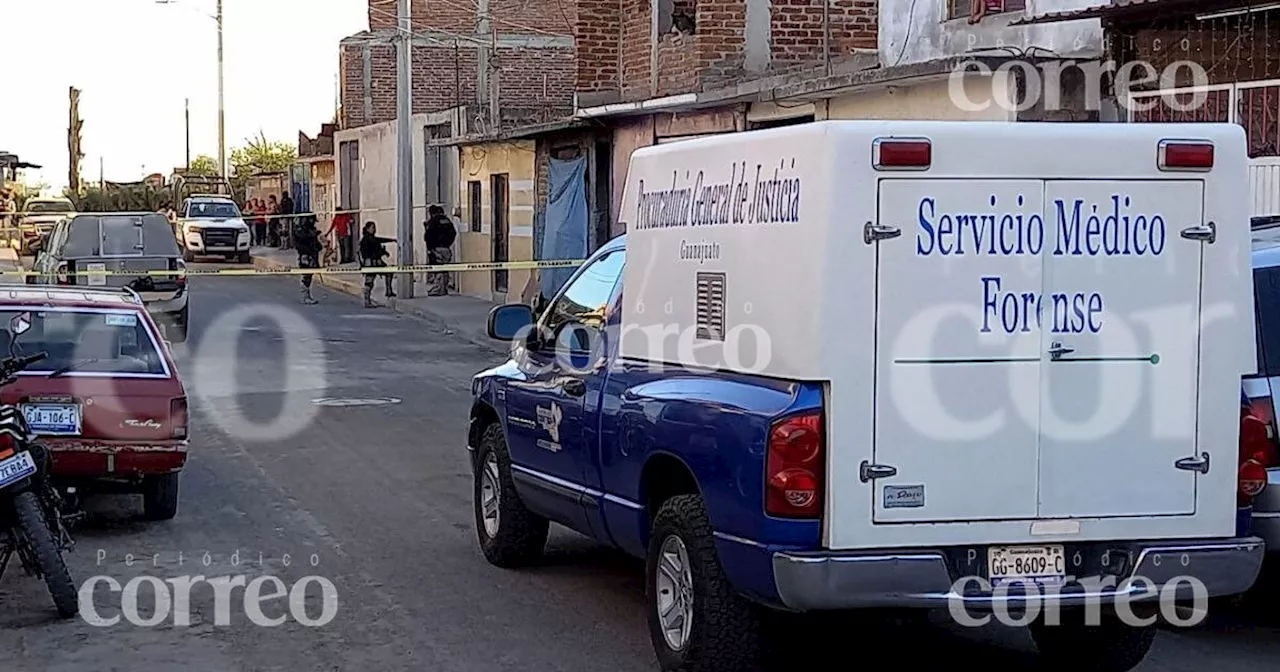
(404, 151)
(74, 147)
(188, 126)
(222, 119)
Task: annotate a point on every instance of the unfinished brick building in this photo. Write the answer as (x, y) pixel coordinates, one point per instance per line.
(635, 49)
(454, 54)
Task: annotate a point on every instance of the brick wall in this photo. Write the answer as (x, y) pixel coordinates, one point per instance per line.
(635, 49)
(525, 17)
(596, 39)
(797, 33)
(715, 53)
(538, 81)
(679, 63)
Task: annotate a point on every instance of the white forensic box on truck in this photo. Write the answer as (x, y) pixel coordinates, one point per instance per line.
(1027, 333)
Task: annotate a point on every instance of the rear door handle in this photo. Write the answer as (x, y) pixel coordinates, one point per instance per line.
(1057, 350)
(574, 387)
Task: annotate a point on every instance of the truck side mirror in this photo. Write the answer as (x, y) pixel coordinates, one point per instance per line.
(510, 321)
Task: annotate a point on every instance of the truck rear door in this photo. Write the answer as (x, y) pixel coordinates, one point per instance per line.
(1120, 376)
(1036, 350)
(130, 248)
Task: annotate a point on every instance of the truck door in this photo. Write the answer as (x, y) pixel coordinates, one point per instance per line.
(958, 355)
(1120, 380)
(547, 412)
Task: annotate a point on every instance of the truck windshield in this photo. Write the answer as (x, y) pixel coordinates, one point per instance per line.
(38, 207)
(213, 211)
(87, 341)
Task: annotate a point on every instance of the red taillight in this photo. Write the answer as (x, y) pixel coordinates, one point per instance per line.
(1257, 452)
(178, 417)
(181, 277)
(8, 446)
(1173, 155)
(795, 467)
(1253, 480)
(63, 277)
(889, 154)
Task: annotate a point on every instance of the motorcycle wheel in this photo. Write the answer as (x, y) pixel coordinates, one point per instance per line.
(52, 567)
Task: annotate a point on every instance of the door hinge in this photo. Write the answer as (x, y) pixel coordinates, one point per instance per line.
(1204, 232)
(876, 232)
(1200, 464)
(869, 472)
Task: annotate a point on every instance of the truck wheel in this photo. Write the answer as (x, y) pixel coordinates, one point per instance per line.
(697, 621)
(244, 258)
(160, 497)
(510, 534)
(188, 256)
(1111, 646)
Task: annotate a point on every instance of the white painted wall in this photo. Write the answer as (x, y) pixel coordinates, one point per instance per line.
(378, 177)
(914, 31)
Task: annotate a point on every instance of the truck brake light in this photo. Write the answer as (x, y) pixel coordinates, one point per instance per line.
(795, 467)
(1184, 155)
(1257, 452)
(178, 417)
(63, 273)
(900, 154)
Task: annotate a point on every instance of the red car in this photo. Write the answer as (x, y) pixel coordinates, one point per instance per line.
(107, 401)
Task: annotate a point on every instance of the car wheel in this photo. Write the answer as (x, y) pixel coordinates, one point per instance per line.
(160, 496)
(245, 258)
(176, 325)
(1109, 646)
(697, 621)
(510, 534)
(188, 256)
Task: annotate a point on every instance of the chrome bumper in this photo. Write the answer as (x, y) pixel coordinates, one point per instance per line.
(833, 581)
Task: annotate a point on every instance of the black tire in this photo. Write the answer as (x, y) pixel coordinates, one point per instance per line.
(1110, 646)
(48, 558)
(188, 256)
(176, 325)
(726, 631)
(521, 535)
(245, 258)
(160, 496)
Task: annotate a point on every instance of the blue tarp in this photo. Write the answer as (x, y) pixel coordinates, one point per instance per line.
(565, 234)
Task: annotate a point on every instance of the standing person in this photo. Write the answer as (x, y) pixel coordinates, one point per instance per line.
(286, 220)
(273, 221)
(340, 229)
(372, 253)
(440, 234)
(306, 240)
(8, 212)
(259, 209)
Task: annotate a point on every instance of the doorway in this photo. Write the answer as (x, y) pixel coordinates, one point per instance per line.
(501, 228)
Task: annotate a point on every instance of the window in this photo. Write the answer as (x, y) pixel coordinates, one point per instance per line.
(1266, 287)
(212, 210)
(677, 16)
(962, 9)
(49, 207)
(90, 342)
(585, 299)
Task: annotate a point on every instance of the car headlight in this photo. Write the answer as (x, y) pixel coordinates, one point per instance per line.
(194, 229)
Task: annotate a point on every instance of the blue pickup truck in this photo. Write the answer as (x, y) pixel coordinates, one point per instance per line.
(890, 447)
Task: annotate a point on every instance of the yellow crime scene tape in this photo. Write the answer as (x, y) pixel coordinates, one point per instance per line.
(327, 270)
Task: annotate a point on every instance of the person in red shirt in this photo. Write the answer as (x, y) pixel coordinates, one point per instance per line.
(341, 230)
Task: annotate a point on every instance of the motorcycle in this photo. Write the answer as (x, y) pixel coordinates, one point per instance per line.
(31, 521)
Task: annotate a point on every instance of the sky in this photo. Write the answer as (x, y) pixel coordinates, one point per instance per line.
(136, 61)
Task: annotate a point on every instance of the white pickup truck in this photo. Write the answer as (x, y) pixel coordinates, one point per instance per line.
(991, 368)
(212, 226)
